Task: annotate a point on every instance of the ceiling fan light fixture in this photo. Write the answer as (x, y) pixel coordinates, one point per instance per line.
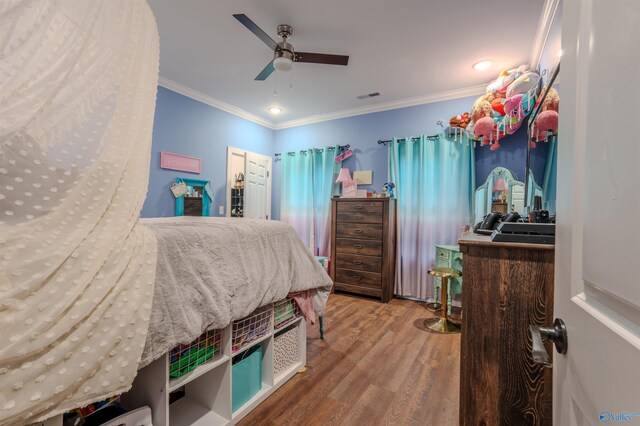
(482, 65)
(283, 64)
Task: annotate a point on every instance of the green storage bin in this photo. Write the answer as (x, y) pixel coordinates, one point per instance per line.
(246, 375)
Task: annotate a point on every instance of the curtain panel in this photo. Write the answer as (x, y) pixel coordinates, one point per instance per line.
(435, 180)
(308, 183)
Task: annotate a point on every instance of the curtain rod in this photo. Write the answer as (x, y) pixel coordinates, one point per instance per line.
(317, 149)
(414, 139)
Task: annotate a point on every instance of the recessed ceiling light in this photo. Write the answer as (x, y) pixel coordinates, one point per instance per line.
(275, 110)
(559, 52)
(482, 65)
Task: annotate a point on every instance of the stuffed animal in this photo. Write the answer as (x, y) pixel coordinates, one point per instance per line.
(505, 79)
(552, 101)
(513, 111)
(524, 84)
(498, 105)
(461, 120)
(387, 189)
(481, 108)
(546, 121)
(483, 128)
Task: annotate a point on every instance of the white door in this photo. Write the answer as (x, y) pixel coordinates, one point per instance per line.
(597, 283)
(257, 194)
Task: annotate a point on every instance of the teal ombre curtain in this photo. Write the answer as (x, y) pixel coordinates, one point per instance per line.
(296, 194)
(435, 180)
(550, 177)
(308, 183)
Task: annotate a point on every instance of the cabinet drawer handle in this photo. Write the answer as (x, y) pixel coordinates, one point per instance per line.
(357, 277)
(358, 216)
(359, 207)
(357, 262)
(358, 246)
(358, 231)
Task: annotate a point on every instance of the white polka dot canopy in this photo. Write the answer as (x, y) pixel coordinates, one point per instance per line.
(78, 82)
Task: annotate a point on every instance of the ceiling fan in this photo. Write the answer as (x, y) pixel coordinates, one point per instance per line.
(283, 53)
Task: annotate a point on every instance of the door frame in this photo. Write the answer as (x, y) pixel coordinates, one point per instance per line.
(230, 178)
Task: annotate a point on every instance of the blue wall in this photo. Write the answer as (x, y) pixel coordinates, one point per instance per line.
(362, 132)
(512, 155)
(188, 127)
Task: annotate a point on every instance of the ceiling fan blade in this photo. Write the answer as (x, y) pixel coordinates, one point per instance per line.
(321, 58)
(266, 72)
(251, 26)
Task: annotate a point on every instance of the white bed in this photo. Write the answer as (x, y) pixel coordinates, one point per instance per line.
(211, 271)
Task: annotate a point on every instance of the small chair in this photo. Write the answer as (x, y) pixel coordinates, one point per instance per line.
(443, 324)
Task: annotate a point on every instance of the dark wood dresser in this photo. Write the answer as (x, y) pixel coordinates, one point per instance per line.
(363, 241)
(507, 286)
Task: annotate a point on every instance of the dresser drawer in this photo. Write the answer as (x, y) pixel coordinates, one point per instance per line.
(442, 255)
(365, 231)
(360, 207)
(359, 217)
(364, 247)
(359, 263)
(359, 278)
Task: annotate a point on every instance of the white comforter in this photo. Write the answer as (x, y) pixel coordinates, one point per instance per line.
(211, 271)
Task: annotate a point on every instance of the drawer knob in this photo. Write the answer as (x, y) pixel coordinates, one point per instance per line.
(359, 207)
(358, 216)
(357, 262)
(358, 246)
(357, 277)
(358, 231)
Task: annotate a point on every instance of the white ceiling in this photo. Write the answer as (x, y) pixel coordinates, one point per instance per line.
(404, 49)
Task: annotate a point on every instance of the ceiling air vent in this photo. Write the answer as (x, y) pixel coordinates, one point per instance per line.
(369, 95)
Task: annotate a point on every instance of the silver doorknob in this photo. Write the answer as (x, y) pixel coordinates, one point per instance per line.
(556, 334)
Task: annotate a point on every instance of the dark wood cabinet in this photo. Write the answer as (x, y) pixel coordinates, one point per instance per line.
(363, 246)
(193, 206)
(507, 286)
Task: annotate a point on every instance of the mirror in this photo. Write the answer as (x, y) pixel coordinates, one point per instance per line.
(542, 152)
(501, 192)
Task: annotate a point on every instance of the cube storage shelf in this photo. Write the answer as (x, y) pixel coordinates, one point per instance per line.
(207, 388)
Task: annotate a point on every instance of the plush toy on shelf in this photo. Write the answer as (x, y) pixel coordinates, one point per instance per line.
(460, 120)
(484, 129)
(547, 120)
(505, 79)
(483, 122)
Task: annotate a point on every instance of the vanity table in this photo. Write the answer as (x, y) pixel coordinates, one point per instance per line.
(507, 286)
(448, 256)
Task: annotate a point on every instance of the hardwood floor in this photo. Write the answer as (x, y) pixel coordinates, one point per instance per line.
(378, 365)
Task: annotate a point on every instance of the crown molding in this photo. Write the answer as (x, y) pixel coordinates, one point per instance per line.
(216, 103)
(386, 106)
(549, 10)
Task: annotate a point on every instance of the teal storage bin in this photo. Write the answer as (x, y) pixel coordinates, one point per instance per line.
(246, 375)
